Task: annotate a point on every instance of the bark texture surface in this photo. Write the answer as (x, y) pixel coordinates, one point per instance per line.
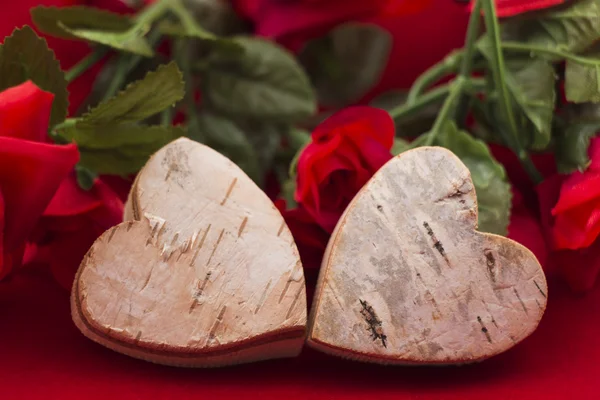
(407, 279)
(204, 272)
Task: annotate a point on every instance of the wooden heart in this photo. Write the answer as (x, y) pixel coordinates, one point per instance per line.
(406, 278)
(205, 273)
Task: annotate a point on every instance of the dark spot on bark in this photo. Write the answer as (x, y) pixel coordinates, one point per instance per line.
(373, 322)
(490, 261)
(380, 207)
(436, 243)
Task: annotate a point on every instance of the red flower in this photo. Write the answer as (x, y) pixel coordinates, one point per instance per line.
(71, 223)
(305, 19)
(570, 209)
(310, 238)
(346, 150)
(509, 8)
(30, 169)
(577, 212)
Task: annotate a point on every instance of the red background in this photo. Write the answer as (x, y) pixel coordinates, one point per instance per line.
(43, 355)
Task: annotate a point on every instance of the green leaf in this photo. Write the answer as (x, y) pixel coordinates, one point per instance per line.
(572, 145)
(569, 29)
(347, 63)
(25, 56)
(85, 177)
(94, 25)
(400, 146)
(131, 41)
(489, 176)
(531, 83)
(582, 80)
(52, 20)
(142, 99)
(120, 149)
(229, 139)
(265, 82)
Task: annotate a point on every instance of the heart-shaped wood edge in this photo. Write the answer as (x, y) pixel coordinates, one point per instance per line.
(327, 347)
(278, 343)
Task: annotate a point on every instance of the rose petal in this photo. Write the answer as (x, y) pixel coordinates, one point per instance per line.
(71, 200)
(25, 112)
(30, 174)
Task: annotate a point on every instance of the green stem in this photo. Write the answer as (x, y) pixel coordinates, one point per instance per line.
(118, 78)
(456, 90)
(182, 55)
(444, 68)
(466, 66)
(406, 110)
(559, 54)
(498, 72)
(126, 64)
(166, 117)
(86, 63)
(151, 13)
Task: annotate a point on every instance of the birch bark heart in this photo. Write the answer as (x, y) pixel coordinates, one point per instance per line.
(205, 272)
(406, 278)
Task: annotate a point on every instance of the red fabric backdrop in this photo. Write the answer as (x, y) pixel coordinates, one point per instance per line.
(43, 355)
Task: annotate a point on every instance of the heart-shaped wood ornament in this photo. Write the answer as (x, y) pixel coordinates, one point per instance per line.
(407, 279)
(205, 272)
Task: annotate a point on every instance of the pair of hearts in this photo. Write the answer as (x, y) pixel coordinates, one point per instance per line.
(204, 271)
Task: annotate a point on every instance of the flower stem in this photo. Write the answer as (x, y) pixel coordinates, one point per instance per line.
(407, 110)
(466, 66)
(86, 63)
(456, 90)
(182, 56)
(125, 64)
(498, 72)
(444, 68)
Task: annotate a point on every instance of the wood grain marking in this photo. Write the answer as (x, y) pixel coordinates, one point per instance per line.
(138, 337)
(242, 226)
(520, 300)
(231, 186)
(539, 288)
(147, 279)
(436, 243)
(484, 329)
(539, 305)
(335, 296)
(281, 228)
(285, 289)
(193, 306)
(263, 297)
(300, 290)
(200, 244)
(216, 245)
(129, 225)
(494, 322)
(216, 324)
(112, 234)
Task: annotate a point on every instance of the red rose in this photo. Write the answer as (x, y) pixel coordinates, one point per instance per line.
(310, 238)
(570, 208)
(509, 8)
(577, 212)
(304, 19)
(30, 169)
(71, 223)
(346, 150)
(294, 22)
